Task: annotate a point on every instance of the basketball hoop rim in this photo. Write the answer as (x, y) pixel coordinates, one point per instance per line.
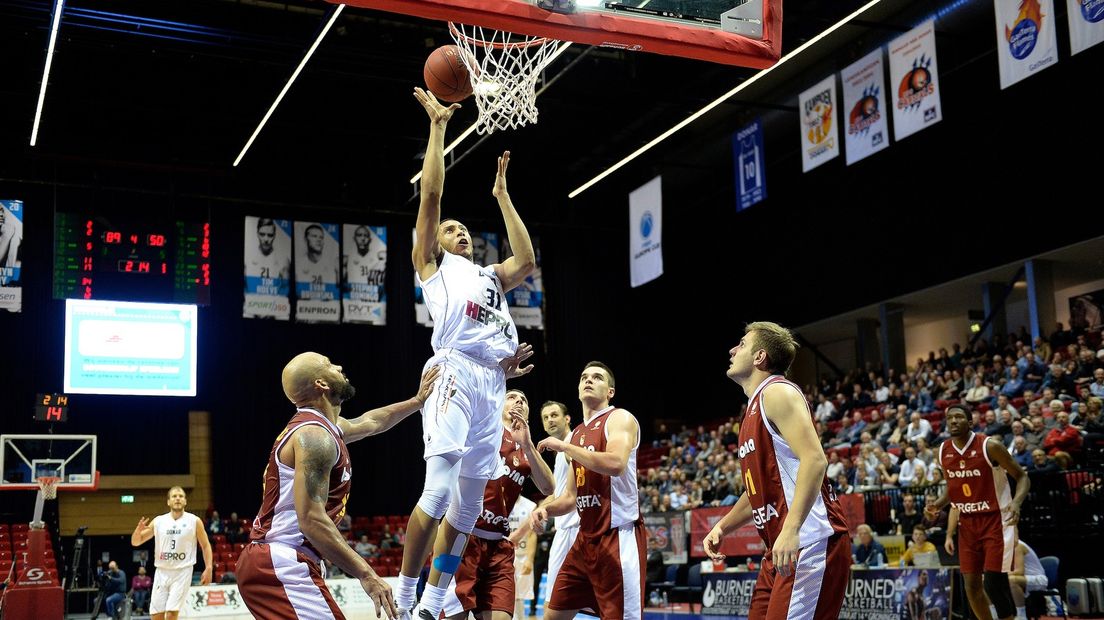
(49, 486)
(456, 32)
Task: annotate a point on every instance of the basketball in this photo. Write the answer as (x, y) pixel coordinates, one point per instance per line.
(446, 76)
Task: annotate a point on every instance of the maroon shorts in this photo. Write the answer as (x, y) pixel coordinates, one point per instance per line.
(604, 574)
(278, 581)
(814, 591)
(485, 579)
(985, 543)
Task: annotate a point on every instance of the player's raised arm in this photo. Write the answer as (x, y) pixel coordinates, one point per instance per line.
(424, 254)
(513, 270)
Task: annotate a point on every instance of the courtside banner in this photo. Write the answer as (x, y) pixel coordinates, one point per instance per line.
(267, 268)
(363, 270)
(1086, 23)
(1027, 41)
(526, 301)
(225, 601)
(728, 594)
(914, 78)
(903, 594)
(317, 255)
(819, 127)
(864, 97)
(646, 232)
(666, 533)
(744, 541)
(11, 261)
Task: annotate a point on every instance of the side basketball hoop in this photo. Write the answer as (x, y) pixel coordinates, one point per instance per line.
(47, 489)
(504, 69)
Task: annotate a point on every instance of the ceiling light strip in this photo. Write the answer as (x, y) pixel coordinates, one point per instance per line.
(54, 26)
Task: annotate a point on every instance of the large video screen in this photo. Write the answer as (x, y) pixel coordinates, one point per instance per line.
(122, 347)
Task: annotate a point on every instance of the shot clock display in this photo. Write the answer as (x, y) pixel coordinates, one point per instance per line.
(137, 259)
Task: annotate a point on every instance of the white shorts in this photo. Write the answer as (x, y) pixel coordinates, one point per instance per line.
(463, 414)
(170, 588)
(523, 586)
(561, 544)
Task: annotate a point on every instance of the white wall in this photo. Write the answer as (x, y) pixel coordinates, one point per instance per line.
(922, 338)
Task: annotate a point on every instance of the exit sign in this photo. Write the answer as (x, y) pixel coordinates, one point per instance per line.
(126, 499)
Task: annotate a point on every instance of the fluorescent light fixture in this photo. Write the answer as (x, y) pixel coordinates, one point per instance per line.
(470, 130)
(291, 80)
(718, 101)
(54, 25)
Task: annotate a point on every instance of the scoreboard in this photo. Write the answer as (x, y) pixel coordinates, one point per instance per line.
(131, 258)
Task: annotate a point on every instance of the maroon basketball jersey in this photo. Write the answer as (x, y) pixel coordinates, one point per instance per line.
(603, 502)
(770, 475)
(502, 493)
(974, 485)
(277, 521)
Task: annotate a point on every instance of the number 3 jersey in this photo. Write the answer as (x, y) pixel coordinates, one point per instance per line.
(769, 469)
(175, 540)
(469, 310)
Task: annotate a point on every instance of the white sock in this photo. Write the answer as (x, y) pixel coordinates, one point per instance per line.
(433, 598)
(1021, 612)
(404, 595)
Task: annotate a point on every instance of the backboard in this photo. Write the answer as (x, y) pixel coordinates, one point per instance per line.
(736, 32)
(23, 458)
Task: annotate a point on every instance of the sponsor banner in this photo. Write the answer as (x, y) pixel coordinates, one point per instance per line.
(225, 601)
(364, 268)
(666, 532)
(267, 268)
(914, 76)
(728, 594)
(317, 254)
(744, 541)
(864, 97)
(819, 127)
(646, 232)
(1086, 23)
(1027, 41)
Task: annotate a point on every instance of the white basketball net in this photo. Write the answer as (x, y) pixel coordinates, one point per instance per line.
(504, 69)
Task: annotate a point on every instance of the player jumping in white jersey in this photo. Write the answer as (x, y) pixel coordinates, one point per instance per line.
(175, 535)
(473, 337)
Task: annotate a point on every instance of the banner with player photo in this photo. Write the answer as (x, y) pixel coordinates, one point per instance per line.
(744, 541)
(864, 104)
(1027, 41)
(526, 301)
(364, 267)
(914, 73)
(819, 127)
(666, 532)
(1086, 23)
(267, 268)
(317, 255)
(11, 260)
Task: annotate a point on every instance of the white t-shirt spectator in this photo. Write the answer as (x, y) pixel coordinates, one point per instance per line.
(881, 394)
(825, 411)
(834, 470)
(912, 472)
(914, 431)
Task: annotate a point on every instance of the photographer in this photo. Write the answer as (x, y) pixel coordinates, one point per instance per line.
(114, 586)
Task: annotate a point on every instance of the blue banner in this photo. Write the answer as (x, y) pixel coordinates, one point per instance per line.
(751, 173)
(11, 262)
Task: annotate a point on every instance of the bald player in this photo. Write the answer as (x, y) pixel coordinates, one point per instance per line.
(306, 486)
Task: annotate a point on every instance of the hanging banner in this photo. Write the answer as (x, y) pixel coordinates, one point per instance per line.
(914, 73)
(1086, 23)
(364, 267)
(819, 130)
(11, 260)
(267, 268)
(666, 532)
(527, 299)
(864, 104)
(1027, 41)
(751, 173)
(316, 275)
(646, 232)
(421, 311)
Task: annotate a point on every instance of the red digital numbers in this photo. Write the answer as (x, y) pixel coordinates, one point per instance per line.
(155, 240)
(113, 236)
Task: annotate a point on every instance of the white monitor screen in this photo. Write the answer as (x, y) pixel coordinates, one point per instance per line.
(122, 347)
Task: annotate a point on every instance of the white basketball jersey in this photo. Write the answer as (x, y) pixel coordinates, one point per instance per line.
(562, 474)
(367, 269)
(268, 266)
(174, 543)
(322, 272)
(469, 310)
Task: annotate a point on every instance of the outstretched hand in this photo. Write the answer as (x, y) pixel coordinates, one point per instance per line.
(499, 190)
(437, 112)
(512, 365)
(429, 377)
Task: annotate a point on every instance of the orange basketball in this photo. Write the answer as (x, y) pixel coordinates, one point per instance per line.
(446, 76)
